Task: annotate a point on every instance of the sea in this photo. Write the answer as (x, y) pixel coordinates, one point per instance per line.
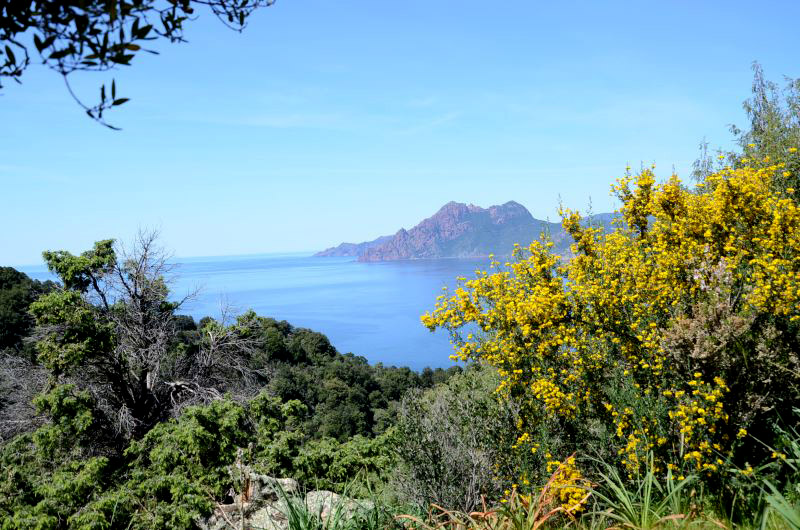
(368, 309)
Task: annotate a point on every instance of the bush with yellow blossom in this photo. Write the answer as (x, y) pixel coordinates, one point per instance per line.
(675, 333)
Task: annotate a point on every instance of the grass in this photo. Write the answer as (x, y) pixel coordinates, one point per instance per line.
(647, 504)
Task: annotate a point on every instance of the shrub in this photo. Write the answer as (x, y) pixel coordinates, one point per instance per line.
(675, 333)
(451, 442)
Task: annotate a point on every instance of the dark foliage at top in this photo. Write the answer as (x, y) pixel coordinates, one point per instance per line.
(99, 35)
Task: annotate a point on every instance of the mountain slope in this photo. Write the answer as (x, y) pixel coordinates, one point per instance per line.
(460, 230)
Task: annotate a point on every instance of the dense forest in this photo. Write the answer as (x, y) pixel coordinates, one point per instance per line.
(650, 381)
(117, 373)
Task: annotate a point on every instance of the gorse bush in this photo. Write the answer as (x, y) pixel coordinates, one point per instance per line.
(675, 333)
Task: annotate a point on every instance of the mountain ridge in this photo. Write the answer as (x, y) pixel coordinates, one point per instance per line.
(459, 230)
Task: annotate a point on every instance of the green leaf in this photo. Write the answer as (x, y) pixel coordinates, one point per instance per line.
(49, 41)
(60, 54)
(142, 32)
(119, 101)
(42, 44)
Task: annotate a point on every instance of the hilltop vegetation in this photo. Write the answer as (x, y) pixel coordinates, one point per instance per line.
(138, 410)
(17, 293)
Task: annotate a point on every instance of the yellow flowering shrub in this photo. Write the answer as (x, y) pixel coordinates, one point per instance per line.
(662, 335)
(568, 486)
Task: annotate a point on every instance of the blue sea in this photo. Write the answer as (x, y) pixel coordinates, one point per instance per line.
(369, 309)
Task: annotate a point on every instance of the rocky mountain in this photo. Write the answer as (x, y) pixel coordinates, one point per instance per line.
(460, 230)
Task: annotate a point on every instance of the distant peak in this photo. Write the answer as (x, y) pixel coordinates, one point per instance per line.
(510, 205)
(458, 208)
(453, 205)
(508, 210)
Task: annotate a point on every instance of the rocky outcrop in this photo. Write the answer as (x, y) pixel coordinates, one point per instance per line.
(327, 504)
(460, 230)
(267, 503)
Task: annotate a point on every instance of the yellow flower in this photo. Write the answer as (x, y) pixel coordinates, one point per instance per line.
(742, 433)
(550, 324)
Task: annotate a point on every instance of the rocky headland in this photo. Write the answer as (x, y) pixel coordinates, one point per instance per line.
(461, 230)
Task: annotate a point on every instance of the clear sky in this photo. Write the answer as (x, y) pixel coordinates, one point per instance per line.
(329, 121)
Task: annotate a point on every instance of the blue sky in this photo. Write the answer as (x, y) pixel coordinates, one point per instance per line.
(330, 121)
